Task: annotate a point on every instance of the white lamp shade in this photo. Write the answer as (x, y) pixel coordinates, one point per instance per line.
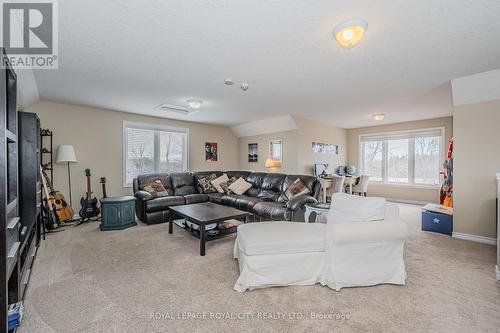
(65, 153)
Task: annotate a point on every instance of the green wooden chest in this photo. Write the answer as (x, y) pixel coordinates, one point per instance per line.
(117, 213)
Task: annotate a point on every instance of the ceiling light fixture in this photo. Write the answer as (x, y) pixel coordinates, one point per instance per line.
(228, 82)
(244, 86)
(350, 32)
(194, 103)
(379, 116)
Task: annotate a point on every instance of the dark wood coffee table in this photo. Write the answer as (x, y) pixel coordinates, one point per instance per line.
(203, 214)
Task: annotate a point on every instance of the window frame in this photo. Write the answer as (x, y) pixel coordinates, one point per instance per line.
(411, 157)
(152, 127)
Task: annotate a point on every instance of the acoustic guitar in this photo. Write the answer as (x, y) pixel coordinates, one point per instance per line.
(51, 220)
(89, 205)
(63, 210)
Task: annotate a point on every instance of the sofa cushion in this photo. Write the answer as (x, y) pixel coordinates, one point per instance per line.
(270, 188)
(216, 197)
(183, 183)
(218, 181)
(203, 174)
(159, 204)
(155, 188)
(296, 188)
(255, 178)
(267, 238)
(196, 198)
(225, 186)
(308, 181)
(240, 186)
(205, 184)
(142, 180)
(273, 210)
(237, 174)
(268, 195)
(242, 202)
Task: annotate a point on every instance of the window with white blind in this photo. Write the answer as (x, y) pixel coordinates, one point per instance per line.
(404, 158)
(150, 148)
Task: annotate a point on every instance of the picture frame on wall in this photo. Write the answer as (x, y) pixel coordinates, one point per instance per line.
(211, 152)
(325, 148)
(276, 150)
(253, 155)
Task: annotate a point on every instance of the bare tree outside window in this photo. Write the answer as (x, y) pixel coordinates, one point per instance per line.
(372, 159)
(154, 150)
(427, 160)
(403, 158)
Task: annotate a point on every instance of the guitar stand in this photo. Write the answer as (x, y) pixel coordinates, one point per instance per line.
(85, 220)
(44, 231)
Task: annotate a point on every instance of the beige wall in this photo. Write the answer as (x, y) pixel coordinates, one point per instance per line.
(289, 164)
(297, 147)
(97, 136)
(476, 162)
(398, 192)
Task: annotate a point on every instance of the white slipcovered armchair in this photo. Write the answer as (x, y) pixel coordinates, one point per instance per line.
(361, 245)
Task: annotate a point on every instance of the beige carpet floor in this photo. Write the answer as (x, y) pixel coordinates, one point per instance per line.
(85, 280)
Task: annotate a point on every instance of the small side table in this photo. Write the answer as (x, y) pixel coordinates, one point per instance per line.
(318, 209)
(118, 213)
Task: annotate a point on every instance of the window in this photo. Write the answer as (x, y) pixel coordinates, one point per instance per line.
(150, 148)
(406, 158)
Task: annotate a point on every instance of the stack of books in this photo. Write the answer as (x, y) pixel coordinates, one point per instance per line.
(15, 315)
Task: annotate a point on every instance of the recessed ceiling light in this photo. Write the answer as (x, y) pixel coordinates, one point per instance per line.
(228, 82)
(194, 103)
(379, 116)
(349, 33)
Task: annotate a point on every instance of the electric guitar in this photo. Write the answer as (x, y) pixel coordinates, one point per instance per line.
(64, 211)
(51, 220)
(89, 205)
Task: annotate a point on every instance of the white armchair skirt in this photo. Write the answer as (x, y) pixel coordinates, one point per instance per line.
(279, 254)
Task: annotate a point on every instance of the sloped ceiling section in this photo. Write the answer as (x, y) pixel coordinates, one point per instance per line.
(271, 125)
(476, 88)
(27, 89)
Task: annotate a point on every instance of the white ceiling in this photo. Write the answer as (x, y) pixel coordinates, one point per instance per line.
(134, 55)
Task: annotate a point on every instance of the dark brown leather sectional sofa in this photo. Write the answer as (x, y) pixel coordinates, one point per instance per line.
(265, 199)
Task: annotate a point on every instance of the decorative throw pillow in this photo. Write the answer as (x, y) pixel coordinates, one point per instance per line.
(206, 185)
(156, 189)
(240, 186)
(218, 181)
(225, 186)
(296, 188)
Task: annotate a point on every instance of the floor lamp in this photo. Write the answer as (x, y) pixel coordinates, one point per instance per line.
(66, 154)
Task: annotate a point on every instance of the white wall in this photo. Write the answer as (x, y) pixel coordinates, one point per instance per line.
(298, 157)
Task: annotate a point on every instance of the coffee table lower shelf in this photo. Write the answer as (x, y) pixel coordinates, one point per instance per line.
(204, 214)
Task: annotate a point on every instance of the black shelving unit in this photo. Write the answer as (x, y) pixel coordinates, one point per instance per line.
(30, 193)
(47, 153)
(9, 218)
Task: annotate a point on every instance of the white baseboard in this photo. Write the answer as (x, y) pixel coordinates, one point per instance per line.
(498, 272)
(475, 238)
(412, 202)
